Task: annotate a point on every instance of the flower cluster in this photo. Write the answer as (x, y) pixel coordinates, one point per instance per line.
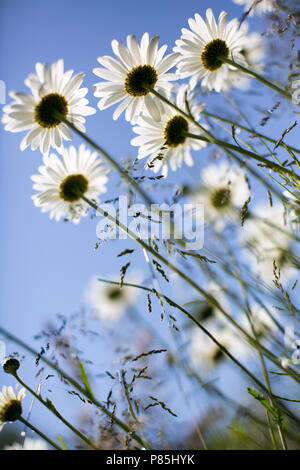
(139, 78)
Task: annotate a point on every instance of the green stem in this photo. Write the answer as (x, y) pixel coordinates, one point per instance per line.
(257, 76)
(250, 131)
(131, 182)
(236, 148)
(42, 435)
(78, 387)
(53, 410)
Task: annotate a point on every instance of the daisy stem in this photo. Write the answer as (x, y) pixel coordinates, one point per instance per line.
(48, 404)
(236, 148)
(258, 77)
(42, 435)
(111, 160)
(210, 138)
(190, 281)
(246, 129)
(75, 384)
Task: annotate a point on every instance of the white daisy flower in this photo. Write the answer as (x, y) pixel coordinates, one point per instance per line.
(108, 301)
(10, 405)
(256, 6)
(267, 244)
(202, 46)
(253, 52)
(223, 192)
(164, 140)
(29, 444)
(61, 182)
(125, 77)
(52, 91)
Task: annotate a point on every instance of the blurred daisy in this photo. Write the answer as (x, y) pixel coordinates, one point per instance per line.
(10, 405)
(125, 77)
(165, 140)
(202, 46)
(265, 234)
(202, 310)
(61, 182)
(293, 207)
(29, 444)
(223, 192)
(256, 6)
(52, 91)
(108, 301)
(206, 354)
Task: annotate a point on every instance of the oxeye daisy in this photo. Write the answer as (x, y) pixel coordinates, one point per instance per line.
(128, 77)
(202, 47)
(108, 301)
(256, 6)
(253, 52)
(265, 235)
(165, 141)
(10, 405)
(223, 192)
(55, 94)
(61, 183)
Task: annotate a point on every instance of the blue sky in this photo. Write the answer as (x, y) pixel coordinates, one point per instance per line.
(45, 265)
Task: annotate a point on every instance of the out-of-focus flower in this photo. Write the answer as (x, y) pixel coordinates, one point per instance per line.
(206, 354)
(165, 140)
(202, 47)
(256, 6)
(223, 192)
(108, 301)
(29, 444)
(55, 94)
(127, 77)
(266, 236)
(61, 182)
(10, 405)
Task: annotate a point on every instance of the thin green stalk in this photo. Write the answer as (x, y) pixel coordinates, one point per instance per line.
(114, 419)
(111, 161)
(257, 76)
(53, 410)
(246, 129)
(187, 279)
(42, 435)
(236, 148)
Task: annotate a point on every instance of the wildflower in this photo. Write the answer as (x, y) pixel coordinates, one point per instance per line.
(165, 140)
(10, 405)
(266, 236)
(203, 46)
(61, 183)
(128, 77)
(223, 192)
(108, 301)
(55, 95)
